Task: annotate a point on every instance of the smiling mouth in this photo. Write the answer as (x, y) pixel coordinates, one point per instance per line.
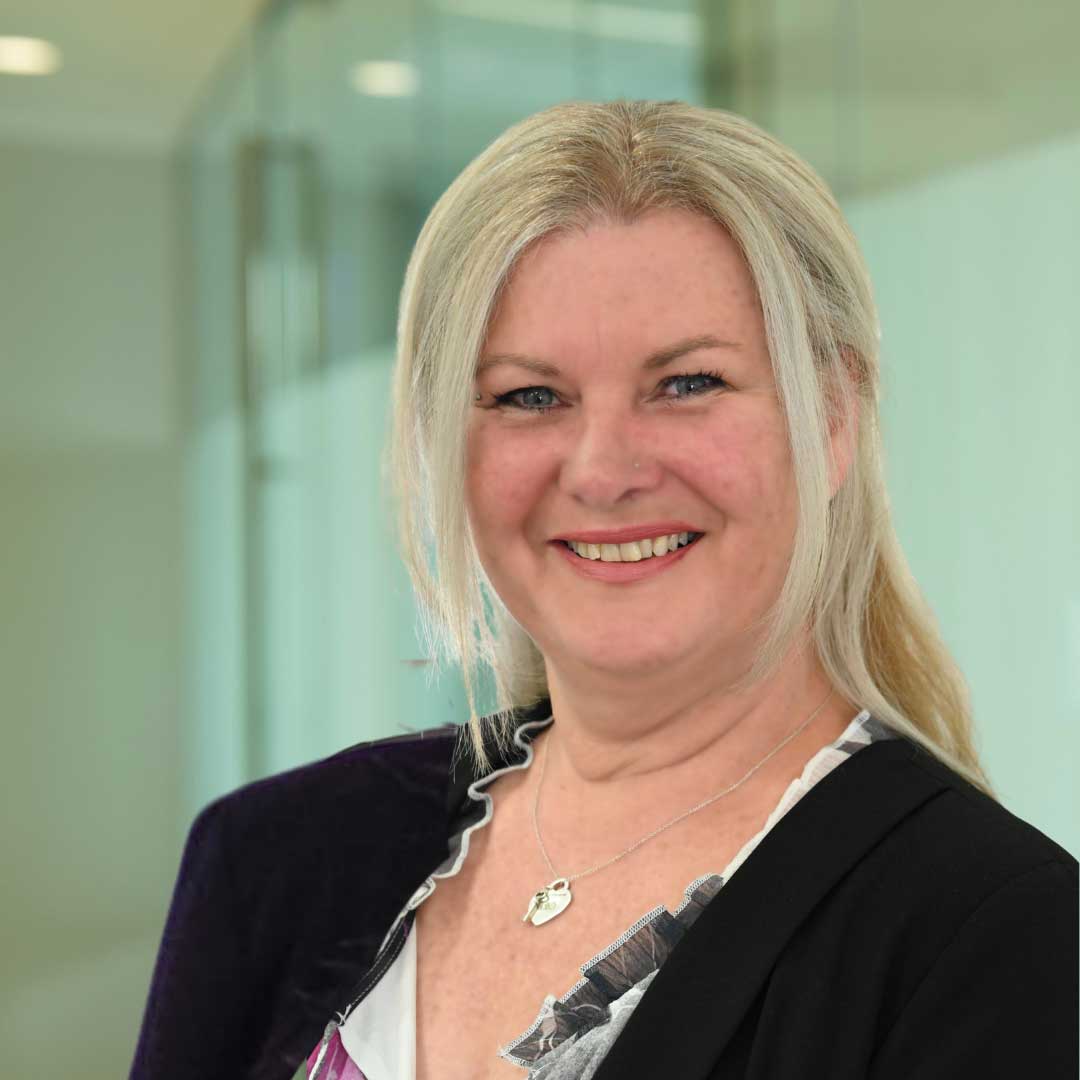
(636, 550)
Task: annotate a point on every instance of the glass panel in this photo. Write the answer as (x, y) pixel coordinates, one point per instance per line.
(952, 139)
(353, 118)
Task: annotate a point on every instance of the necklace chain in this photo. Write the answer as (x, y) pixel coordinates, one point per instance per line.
(674, 821)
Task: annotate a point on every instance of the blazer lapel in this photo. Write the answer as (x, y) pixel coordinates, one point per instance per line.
(702, 991)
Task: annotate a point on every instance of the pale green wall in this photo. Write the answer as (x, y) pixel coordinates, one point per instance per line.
(977, 275)
(90, 597)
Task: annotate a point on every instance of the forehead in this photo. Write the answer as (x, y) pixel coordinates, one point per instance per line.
(666, 277)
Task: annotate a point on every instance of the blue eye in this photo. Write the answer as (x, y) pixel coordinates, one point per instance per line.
(525, 398)
(510, 399)
(706, 380)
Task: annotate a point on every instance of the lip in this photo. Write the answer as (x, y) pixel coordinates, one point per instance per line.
(630, 532)
(626, 572)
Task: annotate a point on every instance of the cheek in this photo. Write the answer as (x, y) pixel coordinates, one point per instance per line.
(744, 472)
(744, 467)
(503, 478)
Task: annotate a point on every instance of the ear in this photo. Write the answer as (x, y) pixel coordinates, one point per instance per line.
(843, 402)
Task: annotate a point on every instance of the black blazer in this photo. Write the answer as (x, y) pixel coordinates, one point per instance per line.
(895, 923)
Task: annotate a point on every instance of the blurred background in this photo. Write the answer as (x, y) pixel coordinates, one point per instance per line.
(205, 213)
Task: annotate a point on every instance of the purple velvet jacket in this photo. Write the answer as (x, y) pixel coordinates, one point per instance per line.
(895, 923)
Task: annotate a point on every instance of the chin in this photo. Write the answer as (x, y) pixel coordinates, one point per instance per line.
(627, 658)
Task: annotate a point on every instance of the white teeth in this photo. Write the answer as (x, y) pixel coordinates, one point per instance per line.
(635, 551)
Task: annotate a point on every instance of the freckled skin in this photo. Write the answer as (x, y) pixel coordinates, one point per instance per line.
(596, 304)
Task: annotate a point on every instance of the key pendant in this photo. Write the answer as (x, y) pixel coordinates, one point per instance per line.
(548, 902)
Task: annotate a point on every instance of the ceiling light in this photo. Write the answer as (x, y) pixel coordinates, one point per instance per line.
(384, 78)
(28, 56)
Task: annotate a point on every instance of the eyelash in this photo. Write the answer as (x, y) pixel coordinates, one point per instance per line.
(506, 400)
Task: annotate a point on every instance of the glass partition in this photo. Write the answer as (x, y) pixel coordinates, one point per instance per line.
(952, 138)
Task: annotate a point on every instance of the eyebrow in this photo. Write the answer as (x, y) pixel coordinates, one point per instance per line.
(660, 358)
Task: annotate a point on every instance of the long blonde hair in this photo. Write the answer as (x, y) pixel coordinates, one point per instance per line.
(578, 163)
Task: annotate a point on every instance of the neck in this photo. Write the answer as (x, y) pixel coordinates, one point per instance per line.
(667, 741)
(620, 764)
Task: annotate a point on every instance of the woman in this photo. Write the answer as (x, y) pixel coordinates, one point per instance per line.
(728, 819)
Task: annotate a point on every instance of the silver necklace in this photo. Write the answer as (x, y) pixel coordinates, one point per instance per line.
(554, 897)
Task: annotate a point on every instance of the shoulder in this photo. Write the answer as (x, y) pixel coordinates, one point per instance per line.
(965, 833)
(955, 898)
(302, 853)
(973, 904)
(958, 864)
(400, 775)
(914, 853)
(284, 890)
(273, 837)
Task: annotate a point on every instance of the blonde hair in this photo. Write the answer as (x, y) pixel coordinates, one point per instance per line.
(579, 163)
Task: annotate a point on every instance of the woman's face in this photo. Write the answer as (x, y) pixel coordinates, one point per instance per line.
(579, 379)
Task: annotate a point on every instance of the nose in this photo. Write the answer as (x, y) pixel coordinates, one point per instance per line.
(608, 463)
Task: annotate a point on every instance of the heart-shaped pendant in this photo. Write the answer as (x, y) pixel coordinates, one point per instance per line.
(548, 902)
